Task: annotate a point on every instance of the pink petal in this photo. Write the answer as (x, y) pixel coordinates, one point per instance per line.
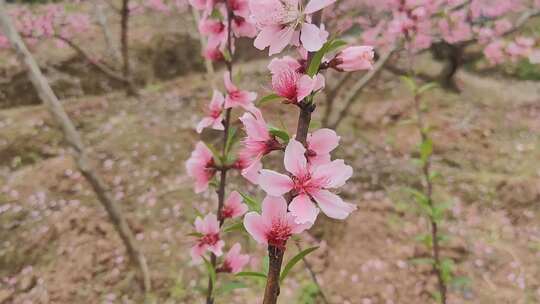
(315, 5)
(274, 183)
(251, 173)
(303, 209)
(228, 82)
(273, 207)
(323, 141)
(204, 123)
(295, 159)
(256, 227)
(256, 129)
(217, 100)
(304, 87)
(217, 248)
(265, 37)
(333, 174)
(332, 205)
(196, 253)
(310, 36)
(281, 40)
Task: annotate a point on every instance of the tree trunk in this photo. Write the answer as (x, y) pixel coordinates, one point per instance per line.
(452, 55)
(124, 39)
(75, 142)
(101, 19)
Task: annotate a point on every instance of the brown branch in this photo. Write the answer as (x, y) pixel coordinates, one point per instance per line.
(124, 40)
(350, 98)
(101, 19)
(75, 142)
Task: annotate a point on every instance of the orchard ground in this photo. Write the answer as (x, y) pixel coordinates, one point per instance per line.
(59, 247)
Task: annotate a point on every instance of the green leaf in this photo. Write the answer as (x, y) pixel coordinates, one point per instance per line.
(439, 210)
(447, 268)
(422, 261)
(409, 82)
(251, 274)
(426, 149)
(227, 55)
(234, 227)
(253, 204)
(196, 234)
(294, 261)
(424, 239)
(231, 135)
(282, 134)
(228, 287)
(427, 87)
(268, 98)
(316, 60)
(216, 154)
(421, 199)
(265, 264)
(211, 271)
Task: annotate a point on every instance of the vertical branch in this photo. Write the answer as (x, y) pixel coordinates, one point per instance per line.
(101, 18)
(426, 172)
(223, 176)
(275, 254)
(124, 40)
(75, 142)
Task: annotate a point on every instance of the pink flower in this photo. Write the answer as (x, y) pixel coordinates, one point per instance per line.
(242, 28)
(209, 239)
(319, 145)
(213, 53)
(309, 183)
(213, 118)
(283, 22)
(355, 58)
(236, 97)
(250, 168)
(289, 83)
(494, 52)
(234, 261)
(233, 206)
(274, 225)
(215, 30)
(200, 166)
(257, 143)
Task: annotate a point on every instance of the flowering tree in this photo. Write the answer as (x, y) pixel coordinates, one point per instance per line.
(456, 32)
(293, 200)
(52, 22)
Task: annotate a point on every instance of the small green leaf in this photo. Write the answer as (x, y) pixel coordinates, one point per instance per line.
(216, 154)
(294, 261)
(426, 149)
(196, 234)
(211, 271)
(265, 264)
(421, 199)
(253, 204)
(447, 268)
(231, 135)
(251, 274)
(424, 239)
(316, 60)
(409, 82)
(427, 87)
(227, 55)
(234, 227)
(422, 261)
(228, 287)
(282, 134)
(268, 98)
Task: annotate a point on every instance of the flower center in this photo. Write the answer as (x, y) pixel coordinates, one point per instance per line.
(209, 239)
(227, 212)
(279, 234)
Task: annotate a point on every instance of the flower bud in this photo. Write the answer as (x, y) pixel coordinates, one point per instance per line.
(354, 58)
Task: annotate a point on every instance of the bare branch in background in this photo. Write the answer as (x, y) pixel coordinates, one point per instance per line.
(74, 140)
(101, 18)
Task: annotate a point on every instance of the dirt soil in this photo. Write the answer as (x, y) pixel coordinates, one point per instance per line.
(57, 245)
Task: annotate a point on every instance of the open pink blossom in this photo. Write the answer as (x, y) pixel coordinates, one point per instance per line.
(319, 145)
(257, 143)
(284, 22)
(236, 97)
(249, 168)
(241, 27)
(214, 117)
(274, 225)
(216, 31)
(209, 239)
(355, 58)
(234, 261)
(289, 83)
(233, 206)
(309, 183)
(200, 166)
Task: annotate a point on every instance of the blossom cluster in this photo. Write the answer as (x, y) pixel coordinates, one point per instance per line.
(423, 23)
(293, 200)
